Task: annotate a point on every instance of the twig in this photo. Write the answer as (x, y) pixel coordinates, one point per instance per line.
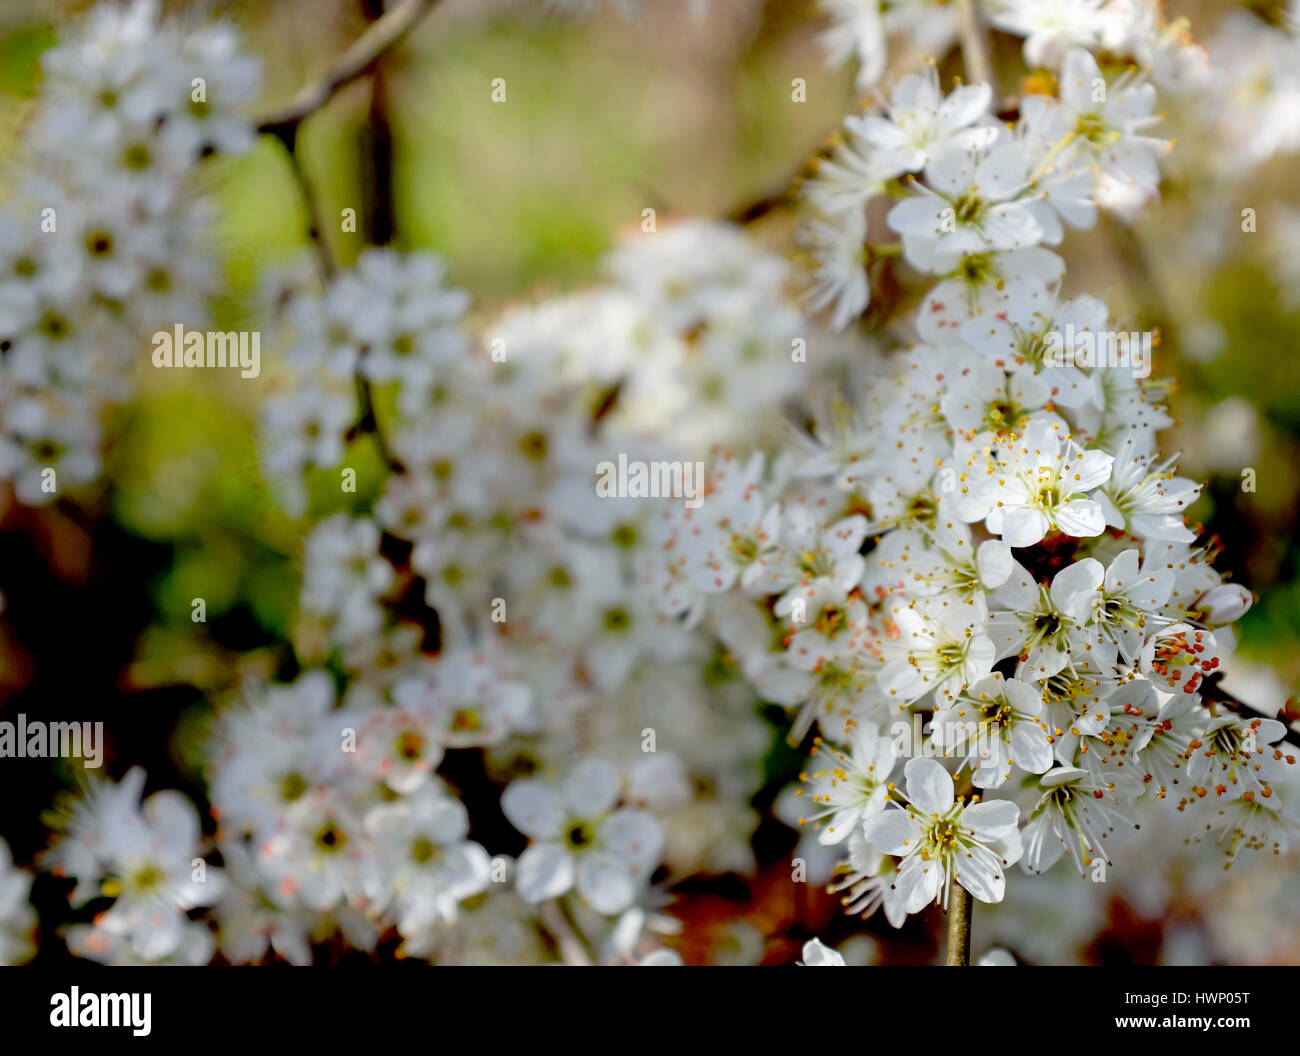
(315, 230)
(788, 192)
(382, 35)
(958, 925)
(975, 45)
(555, 921)
(1213, 693)
(368, 422)
(361, 58)
(959, 903)
(758, 208)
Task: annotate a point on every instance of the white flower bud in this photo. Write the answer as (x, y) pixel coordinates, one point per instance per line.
(1224, 604)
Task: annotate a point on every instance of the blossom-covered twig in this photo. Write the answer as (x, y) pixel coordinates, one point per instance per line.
(361, 58)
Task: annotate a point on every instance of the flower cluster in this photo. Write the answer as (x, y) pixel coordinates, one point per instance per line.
(105, 240)
(145, 858)
(491, 549)
(987, 540)
(1124, 29)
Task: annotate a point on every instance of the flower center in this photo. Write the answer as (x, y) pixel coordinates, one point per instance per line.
(410, 745)
(329, 837)
(968, 208)
(580, 835)
(292, 786)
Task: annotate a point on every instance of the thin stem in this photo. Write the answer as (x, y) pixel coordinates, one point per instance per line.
(368, 422)
(558, 924)
(959, 903)
(959, 911)
(749, 212)
(315, 230)
(975, 45)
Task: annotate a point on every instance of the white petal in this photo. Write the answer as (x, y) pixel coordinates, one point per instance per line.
(991, 819)
(981, 875)
(544, 870)
(1081, 518)
(533, 808)
(929, 786)
(1074, 589)
(1025, 527)
(892, 832)
(634, 836)
(815, 955)
(592, 787)
(605, 881)
(995, 563)
(918, 883)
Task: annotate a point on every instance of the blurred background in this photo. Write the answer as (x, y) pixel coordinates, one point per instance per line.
(609, 116)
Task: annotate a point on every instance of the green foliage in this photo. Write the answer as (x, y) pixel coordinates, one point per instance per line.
(20, 57)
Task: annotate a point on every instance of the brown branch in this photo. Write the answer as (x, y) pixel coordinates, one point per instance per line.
(1213, 693)
(975, 45)
(959, 914)
(780, 197)
(748, 212)
(315, 229)
(959, 908)
(368, 422)
(358, 60)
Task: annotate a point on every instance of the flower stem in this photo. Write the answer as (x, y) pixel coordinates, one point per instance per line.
(959, 912)
(558, 924)
(975, 45)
